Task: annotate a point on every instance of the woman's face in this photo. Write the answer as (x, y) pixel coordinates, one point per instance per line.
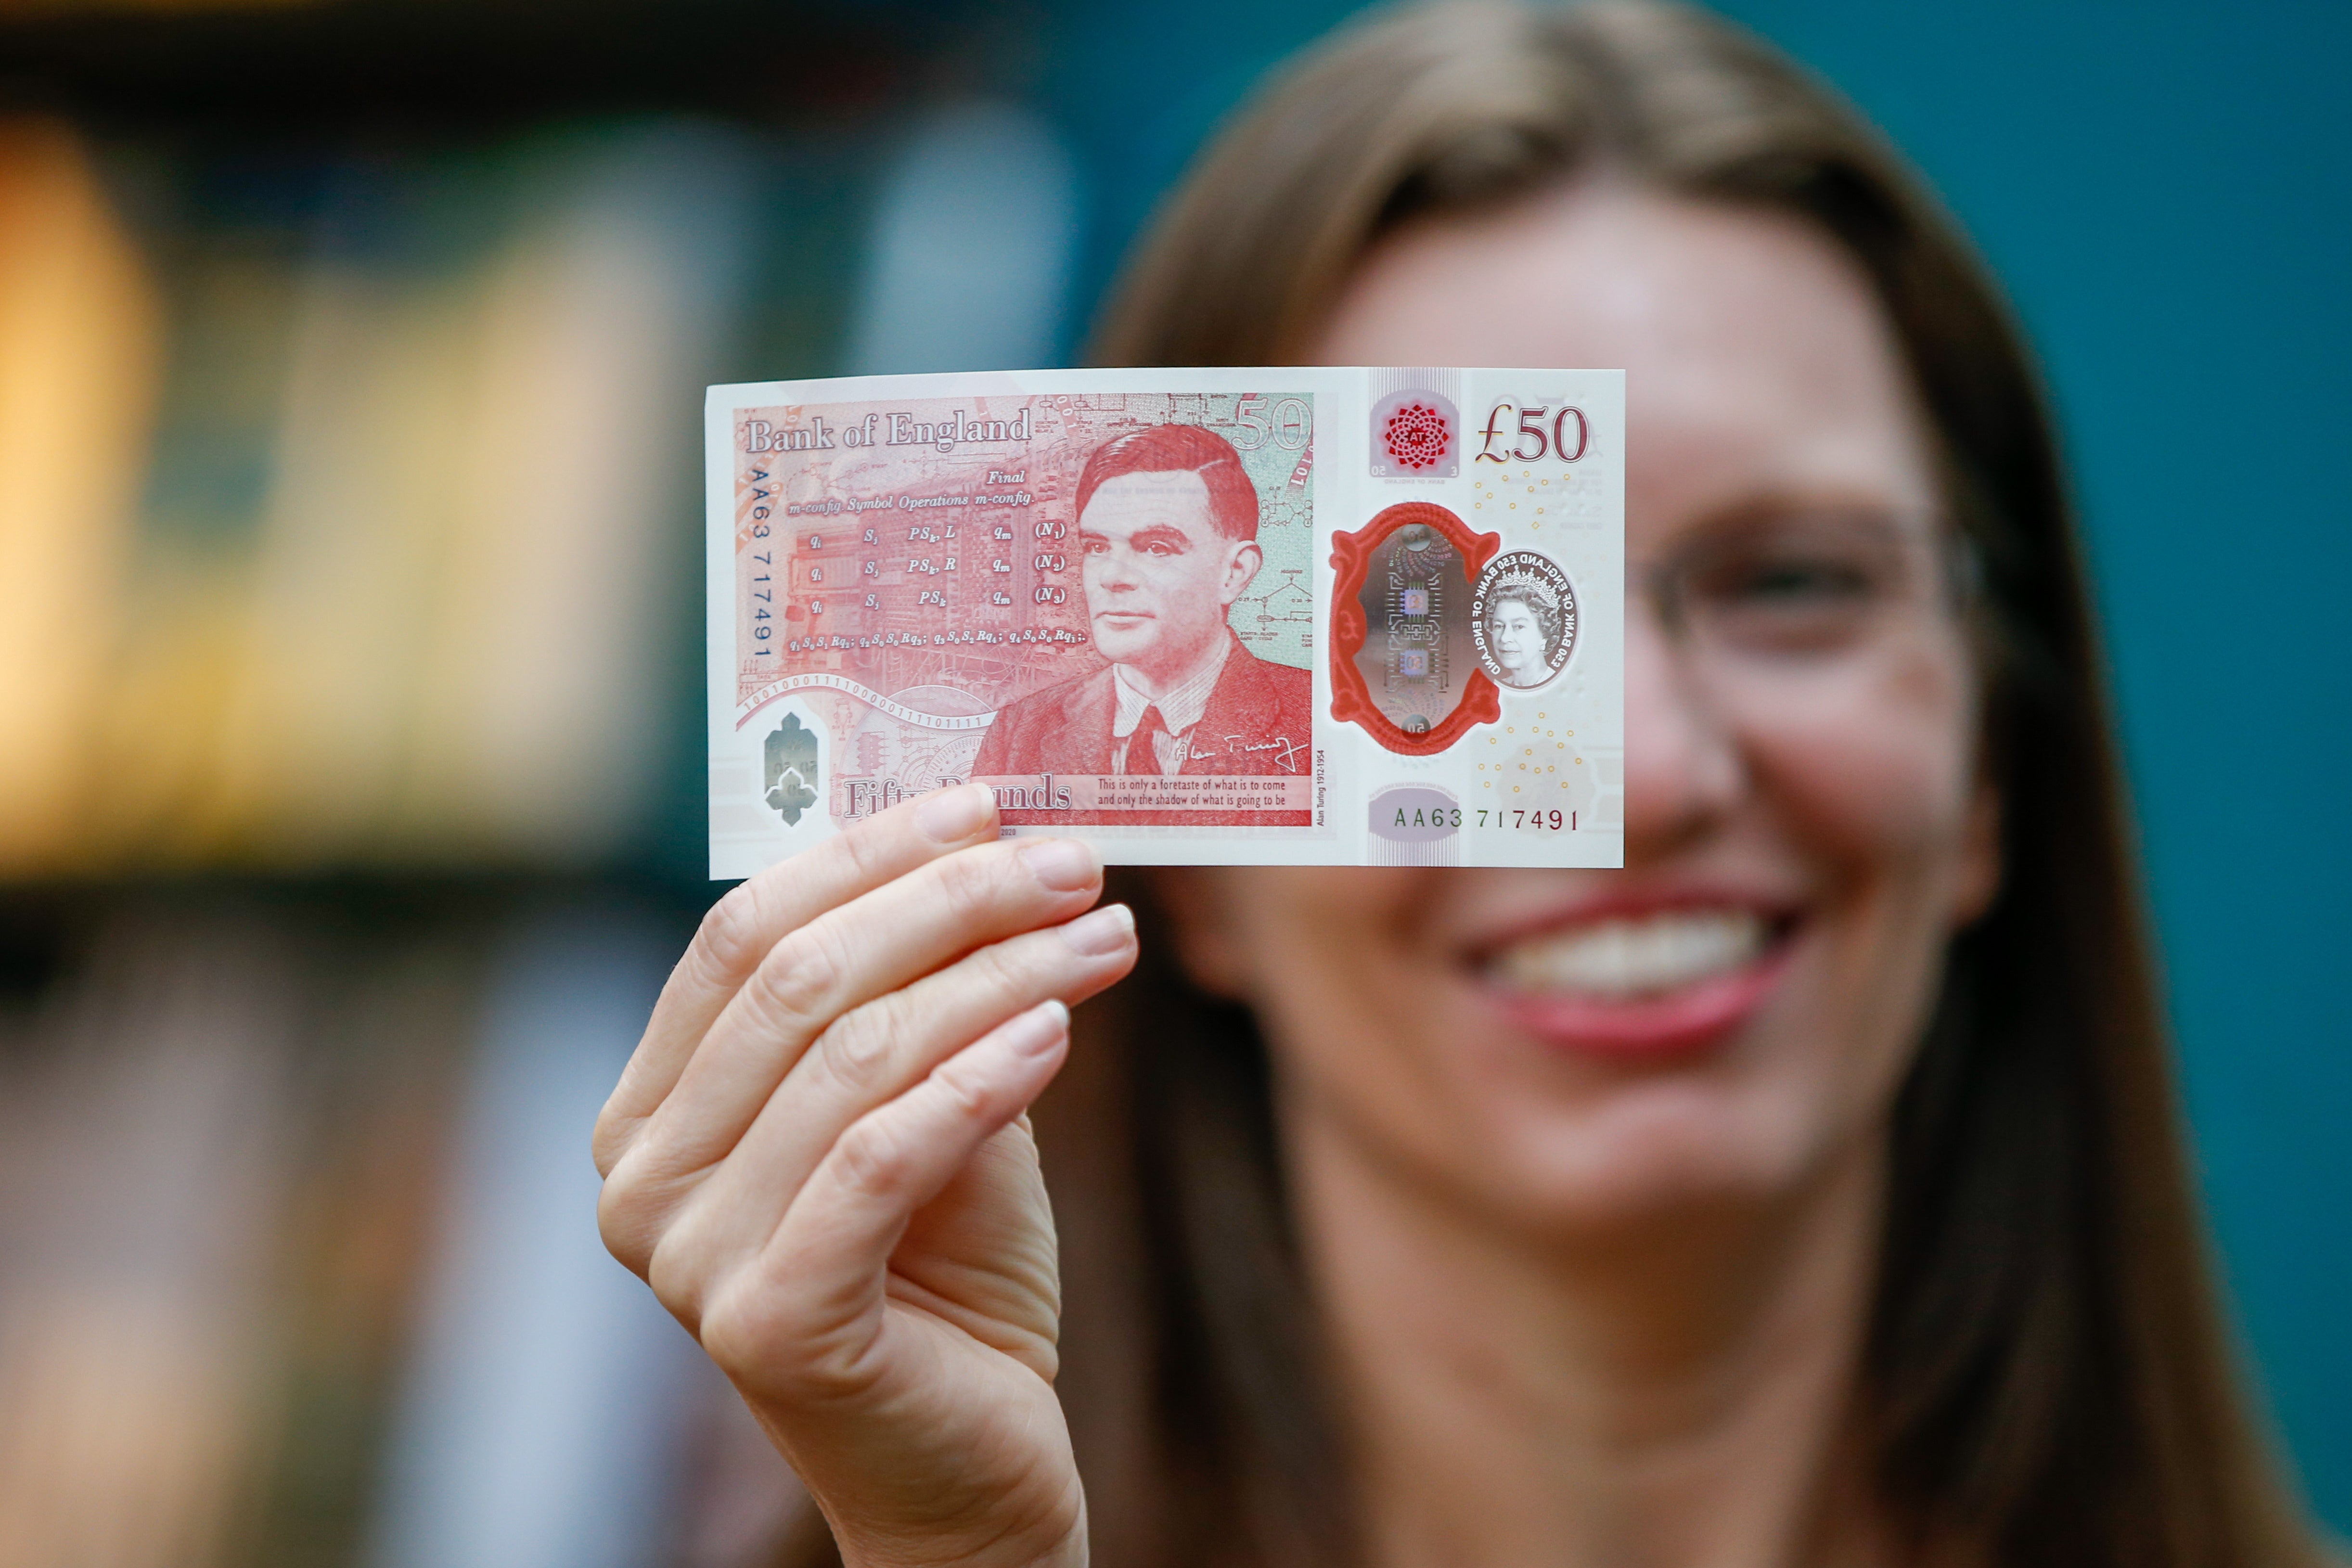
(1517, 641)
(1804, 822)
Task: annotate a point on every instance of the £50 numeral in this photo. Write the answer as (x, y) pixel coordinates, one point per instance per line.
(1567, 436)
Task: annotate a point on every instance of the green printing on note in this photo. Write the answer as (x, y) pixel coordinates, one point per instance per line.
(792, 768)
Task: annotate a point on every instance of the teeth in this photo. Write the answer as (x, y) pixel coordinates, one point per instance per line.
(1634, 957)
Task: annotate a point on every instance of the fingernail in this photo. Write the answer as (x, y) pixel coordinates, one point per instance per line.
(1064, 865)
(954, 813)
(1102, 932)
(1041, 1029)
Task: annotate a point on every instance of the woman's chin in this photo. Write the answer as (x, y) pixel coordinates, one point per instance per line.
(1643, 1153)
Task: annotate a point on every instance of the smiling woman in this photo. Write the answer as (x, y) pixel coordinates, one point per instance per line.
(1808, 1191)
(1812, 1189)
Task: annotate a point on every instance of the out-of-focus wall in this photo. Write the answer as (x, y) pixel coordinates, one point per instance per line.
(2166, 188)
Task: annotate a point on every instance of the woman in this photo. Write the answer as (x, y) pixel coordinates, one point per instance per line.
(1522, 636)
(1808, 1192)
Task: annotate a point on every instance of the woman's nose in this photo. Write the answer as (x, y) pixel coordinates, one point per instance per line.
(1683, 769)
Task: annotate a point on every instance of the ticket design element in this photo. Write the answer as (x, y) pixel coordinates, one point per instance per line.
(1199, 617)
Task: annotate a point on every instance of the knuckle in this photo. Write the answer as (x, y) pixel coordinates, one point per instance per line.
(626, 1220)
(971, 884)
(856, 1049)
(734, 930)
(797, 981)
(681, 1282)
(762, 1337)
(1005, 970)
(616, 1131)
(966, 1092)
(867, 846)
(690, 1257)
(875, 1158)
(741, 1336)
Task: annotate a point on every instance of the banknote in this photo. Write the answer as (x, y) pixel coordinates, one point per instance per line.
(1260, 616)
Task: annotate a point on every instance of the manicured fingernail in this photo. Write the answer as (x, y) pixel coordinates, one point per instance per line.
(1101, 932)
(1041, 1029)
(1064, 865)
(954, 813)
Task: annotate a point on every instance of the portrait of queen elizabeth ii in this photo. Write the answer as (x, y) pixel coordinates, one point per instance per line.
(1523, 619)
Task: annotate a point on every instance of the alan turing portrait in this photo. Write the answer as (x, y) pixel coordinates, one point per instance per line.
(1167, 526)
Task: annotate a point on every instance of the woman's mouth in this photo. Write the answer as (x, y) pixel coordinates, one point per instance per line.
(1656, 983)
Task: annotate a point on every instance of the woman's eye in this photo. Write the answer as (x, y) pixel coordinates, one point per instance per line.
(1790, 603)
(1794, 583)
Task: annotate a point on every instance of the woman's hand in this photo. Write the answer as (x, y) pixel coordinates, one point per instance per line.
(819, 1159)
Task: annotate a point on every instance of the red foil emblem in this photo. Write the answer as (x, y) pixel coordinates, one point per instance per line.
(1404, 667)
(1416, 436)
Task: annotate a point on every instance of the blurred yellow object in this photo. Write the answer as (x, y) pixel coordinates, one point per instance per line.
(81, 355)
(350, 532)
(451, 647)
(298, 719)
(542, 693)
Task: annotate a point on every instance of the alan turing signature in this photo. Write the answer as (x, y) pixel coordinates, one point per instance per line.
(1285, 749)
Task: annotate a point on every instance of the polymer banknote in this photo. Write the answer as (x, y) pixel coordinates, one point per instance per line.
(1249, 616)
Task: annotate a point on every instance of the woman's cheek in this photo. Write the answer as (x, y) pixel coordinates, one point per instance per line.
(1874, 781)
(1317, 939)
(1344, 982)
(1873, 772)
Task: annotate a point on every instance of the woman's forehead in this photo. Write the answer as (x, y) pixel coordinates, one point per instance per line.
(1755, 353)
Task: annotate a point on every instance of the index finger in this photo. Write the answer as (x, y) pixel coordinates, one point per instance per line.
(755, 915)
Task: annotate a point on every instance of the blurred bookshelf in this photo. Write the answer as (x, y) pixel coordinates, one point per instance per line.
(350, 356)
(350, 750)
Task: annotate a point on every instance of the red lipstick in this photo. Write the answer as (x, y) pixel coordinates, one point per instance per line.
(1676, 1019)
(1673, 1024)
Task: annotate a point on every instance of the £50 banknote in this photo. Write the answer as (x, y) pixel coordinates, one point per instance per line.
(1198, 616)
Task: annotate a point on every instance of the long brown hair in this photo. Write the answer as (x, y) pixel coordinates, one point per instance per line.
(2048, 1377)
